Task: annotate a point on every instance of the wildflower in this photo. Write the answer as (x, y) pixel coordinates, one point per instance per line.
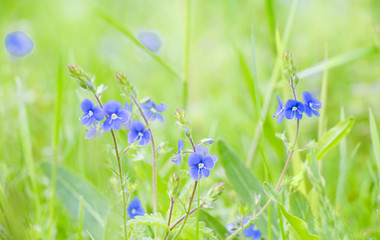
(231, 228)
(294, 108)
(96, 129)
(150, 40)
(138, 133)
(311, 104)
(152, 110)
(116, 115)
(135, 209)
(178, 158)
(91, 113)
(251, 231)
(280, 110)
(19, 44)
(201, 163)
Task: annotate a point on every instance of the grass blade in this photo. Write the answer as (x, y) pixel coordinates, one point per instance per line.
(375, 140)
(185, 79)
(323, 119)
(126, 32)
(342, 166)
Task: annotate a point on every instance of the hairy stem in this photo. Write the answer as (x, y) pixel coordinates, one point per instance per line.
(120, 174)
(188, 210)
(183, 216)
(278, 185)
(170, 217)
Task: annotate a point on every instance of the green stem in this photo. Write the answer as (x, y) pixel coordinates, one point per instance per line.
(188, 211)
(183, 216)
(186, 55)
(197, 228)
(170, 217)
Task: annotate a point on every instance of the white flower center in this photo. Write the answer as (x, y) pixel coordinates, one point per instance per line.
(113, 116)
(310, 104)
(294, 109)
(201, 165)
(90, 113)
(133, 211)
(141, 134)
(153, 110)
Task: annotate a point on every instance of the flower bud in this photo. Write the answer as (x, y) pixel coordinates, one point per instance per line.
(290, 69)
(84, 79)
(173, 189)
(213, 194)
(183, 122)
(125, 84)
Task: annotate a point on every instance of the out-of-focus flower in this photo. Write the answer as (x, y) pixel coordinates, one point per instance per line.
(18, 44)
(129, 108)
(280, 111)
(94, 130)
(138, 133)
(294, 108)
(251, 231)
(150, 40)
(178, 158)
(116, 115)
(311, 104)
(135, 209)
(201, 163)
(91, 113)
(152, 110)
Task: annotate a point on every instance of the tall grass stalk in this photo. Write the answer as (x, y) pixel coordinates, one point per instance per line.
(185, 78)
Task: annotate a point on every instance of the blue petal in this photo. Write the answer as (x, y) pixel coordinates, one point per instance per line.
(18, 44)
(300, 106)
(98, 113)
(214, 158)
(135, 209)
(132, 136)
(307, 97)
(316, 104)
(150, 40)
(280, 104)
(148, 115)
(177, 159)
(111, 107)
(161, 107)
(137, 126)
(194, 173)
(107, 124)
(298, 114)
(159, 117)
(289, 114)
(87, 121)
(146, 138)
(308, 111)
(280, 117)
(180, 145)
(116, 124)
(205, 172)
(201, 150)
(315, 112)
(87, 105)
(208, 162)
(124, 116)
(230, 228)
(194, 159)
(91, 132)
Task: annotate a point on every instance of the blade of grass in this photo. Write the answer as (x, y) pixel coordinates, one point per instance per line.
(375, 140)
(126, 32)
(57, 123)
(27, 147)
(185, 79)
(271, 22)
(342, 166)
(274, 78)
(80, 217)
(339, 60)
(322, 119)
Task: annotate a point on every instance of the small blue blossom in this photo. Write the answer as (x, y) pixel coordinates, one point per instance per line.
(178, 158)
(201, 163)
(294, 108)
(311, 104)
(138, 133)
(135, 209)
(91, 113)
(94, 130)
(251, 231)
(150, 40)
(18, 44)
(152, 110)
(280, 110)
(231, 228)
(116, 115)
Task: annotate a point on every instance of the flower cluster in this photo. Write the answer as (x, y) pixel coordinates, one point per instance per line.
(295, 109)
(116, 117)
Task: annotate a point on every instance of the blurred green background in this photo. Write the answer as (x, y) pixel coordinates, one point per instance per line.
(222, 59)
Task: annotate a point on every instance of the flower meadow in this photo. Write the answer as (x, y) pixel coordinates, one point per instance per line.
(190, 120)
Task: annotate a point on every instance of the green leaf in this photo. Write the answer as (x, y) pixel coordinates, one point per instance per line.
(375, 139)
(218, 228)
(70, 188)
(149, 220)
(298, 228)
(245, 184)
(332, 137)
(190, 226)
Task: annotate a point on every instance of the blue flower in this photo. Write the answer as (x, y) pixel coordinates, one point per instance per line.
(201, 163)
(152, 110)
(311, 104)
(280, 110)
(294, 108)
(231, 228)
(18, 44)
(138, 133)
(178, 158)
(116, 115)
(96, 129)
(135, 209)
(150, 40)
(91, 113)
(251, 231)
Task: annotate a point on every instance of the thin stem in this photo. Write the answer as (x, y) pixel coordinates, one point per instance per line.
(183, 216)
(120, 174)
(188, 211)
(154, 155)
(278, 186)
(170, 217)
(185, 79)
(197, 227)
